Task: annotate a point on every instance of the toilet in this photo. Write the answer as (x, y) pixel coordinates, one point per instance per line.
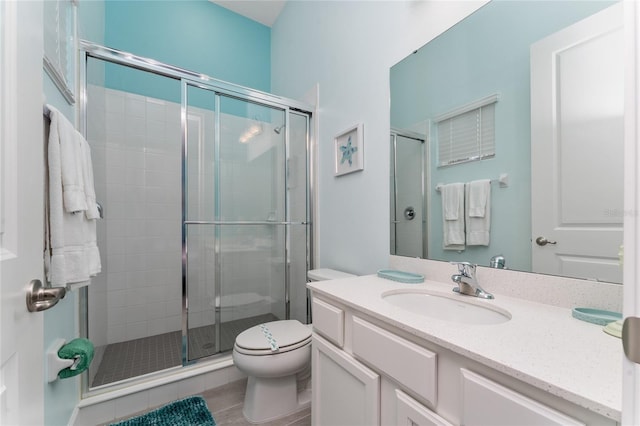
(276, 357)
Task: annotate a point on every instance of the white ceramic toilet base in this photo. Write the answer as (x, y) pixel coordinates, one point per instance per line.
(269, 399)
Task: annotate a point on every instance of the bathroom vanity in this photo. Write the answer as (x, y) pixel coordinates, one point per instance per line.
(382, 363)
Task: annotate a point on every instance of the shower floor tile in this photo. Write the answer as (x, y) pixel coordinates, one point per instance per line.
(133, 358)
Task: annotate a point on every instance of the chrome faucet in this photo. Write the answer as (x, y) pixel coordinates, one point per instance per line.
(467, 281)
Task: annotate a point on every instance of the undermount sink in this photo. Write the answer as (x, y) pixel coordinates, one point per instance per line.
(461, 309)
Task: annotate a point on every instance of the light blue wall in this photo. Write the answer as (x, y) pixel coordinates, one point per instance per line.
(91, 20)
(347, 49)
(487, 53)
(196, 35)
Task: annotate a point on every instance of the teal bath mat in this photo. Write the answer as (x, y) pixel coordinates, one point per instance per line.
(191, 411)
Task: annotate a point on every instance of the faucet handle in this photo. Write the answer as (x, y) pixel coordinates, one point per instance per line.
(466, 268)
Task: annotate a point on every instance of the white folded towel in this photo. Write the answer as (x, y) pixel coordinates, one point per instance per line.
(89, 187)
(63, 133)
(71, 254)
(479, 191)
(478, 217)
(453, 216)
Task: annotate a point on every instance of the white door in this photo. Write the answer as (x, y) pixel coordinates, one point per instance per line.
(577, 151)
(21, 212)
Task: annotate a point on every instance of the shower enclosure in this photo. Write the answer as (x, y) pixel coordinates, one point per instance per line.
(408, 202)
(204, 188)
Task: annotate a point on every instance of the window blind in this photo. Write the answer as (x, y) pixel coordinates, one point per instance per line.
(467, 134)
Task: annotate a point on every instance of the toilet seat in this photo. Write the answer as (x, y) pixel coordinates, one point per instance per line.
(287, 335)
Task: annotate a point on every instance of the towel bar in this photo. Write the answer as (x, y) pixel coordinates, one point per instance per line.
(503, 180)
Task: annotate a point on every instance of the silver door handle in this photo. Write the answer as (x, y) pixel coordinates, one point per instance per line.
(409, 213)
(631, 338)
(542, 241)
(40, 298)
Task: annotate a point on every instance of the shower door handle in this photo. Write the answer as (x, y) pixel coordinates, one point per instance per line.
(409, 213)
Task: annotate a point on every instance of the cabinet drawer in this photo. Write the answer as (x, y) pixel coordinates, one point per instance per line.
(328, 321)
(486, 402)
(411, 412)
(403, 361)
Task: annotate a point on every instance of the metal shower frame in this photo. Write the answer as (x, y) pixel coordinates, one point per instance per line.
(218, 87)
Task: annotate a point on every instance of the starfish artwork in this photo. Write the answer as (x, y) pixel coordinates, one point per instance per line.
(347, 152)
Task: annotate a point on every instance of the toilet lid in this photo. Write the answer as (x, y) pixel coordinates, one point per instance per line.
(273, 337)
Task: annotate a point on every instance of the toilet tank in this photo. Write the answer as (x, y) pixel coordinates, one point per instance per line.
(327, 274)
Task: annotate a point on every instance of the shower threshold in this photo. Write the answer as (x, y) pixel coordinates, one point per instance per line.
(138, 357)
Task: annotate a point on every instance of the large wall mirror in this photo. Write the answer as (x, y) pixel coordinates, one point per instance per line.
(528, 95)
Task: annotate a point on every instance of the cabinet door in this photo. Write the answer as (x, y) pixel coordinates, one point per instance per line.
(487, 403)
(410, 412)
(344, 391)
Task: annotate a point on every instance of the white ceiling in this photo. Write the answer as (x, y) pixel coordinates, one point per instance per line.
(264, 11)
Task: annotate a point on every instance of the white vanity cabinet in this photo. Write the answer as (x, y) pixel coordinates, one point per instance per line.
(368, 372)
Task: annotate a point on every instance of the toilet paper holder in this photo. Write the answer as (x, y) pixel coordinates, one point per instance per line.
(55, 364)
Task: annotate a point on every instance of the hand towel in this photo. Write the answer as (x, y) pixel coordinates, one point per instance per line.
(63, 133)
(453, 216)
(478, 213)
(479, 191)
(87, 175)
(71, 252)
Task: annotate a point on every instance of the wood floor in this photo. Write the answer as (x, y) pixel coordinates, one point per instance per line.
(225, 403)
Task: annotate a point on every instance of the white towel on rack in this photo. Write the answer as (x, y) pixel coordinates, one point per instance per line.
(479, 191)
(478, 217)
(89, 187)
(71, 162)
(453, 216)
(71, 254)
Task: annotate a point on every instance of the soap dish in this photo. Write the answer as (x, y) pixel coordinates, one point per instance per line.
(614, 328)
(401, 276)
(595, 316)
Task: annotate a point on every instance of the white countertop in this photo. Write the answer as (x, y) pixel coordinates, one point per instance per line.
(541, 345)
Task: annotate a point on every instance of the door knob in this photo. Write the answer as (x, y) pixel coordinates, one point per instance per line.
(542, 241)
(409, 213)
(40, 298)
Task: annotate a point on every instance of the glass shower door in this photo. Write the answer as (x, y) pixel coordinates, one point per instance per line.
(407, 196)
(236, 216)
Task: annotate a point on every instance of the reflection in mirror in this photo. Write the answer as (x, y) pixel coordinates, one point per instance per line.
(408, 224)
(532, 91)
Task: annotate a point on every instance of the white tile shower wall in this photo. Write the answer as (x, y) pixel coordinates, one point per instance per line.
(138, 180)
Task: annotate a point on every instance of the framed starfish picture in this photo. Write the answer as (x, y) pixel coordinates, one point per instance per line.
(349, 150)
